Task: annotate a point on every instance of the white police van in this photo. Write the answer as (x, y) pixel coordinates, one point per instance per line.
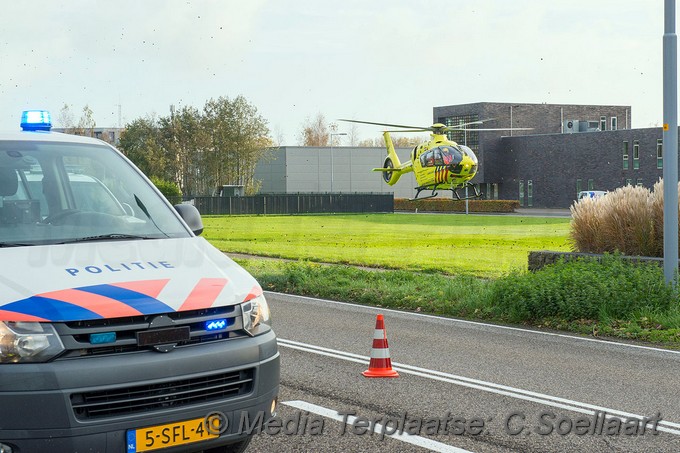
(121, 330)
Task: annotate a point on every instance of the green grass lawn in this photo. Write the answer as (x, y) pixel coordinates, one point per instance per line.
(478, 245)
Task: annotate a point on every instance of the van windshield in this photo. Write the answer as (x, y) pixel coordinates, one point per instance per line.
(53, 193)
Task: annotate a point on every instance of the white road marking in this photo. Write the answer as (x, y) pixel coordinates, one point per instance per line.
(540, 398)
(423, 442)
(477, 323)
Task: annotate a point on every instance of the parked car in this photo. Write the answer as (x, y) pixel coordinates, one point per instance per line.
(591, 194)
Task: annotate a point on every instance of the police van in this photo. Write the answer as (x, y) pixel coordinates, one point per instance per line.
(121, 329)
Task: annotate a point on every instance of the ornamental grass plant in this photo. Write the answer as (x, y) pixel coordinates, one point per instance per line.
(628, 220)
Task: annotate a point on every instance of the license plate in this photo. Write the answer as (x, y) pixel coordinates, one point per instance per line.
(170, 435)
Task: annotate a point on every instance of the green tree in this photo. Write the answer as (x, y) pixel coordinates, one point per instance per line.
(141, 143)
(239, 139)
(201, 150)
(184, 140)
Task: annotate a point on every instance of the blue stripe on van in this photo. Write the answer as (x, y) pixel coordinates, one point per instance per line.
(141, 302)
(54, 310)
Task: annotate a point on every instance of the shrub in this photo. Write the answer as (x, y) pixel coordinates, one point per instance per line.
(628, 220)
(449, 205)
(583, 290)
(167, 188)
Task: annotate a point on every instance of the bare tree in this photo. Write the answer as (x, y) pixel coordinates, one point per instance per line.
(65, 119)
(315, 131)
(399, 142)
(86, 123)
(353, 134)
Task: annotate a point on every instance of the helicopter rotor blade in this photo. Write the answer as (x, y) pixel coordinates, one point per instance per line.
(426, 128)
(452, 128)
(411, 130)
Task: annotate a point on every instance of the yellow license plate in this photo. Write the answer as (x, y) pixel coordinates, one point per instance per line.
(170, 435)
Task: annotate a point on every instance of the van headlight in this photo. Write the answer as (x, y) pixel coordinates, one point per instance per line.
(256, 317)
(28, 342)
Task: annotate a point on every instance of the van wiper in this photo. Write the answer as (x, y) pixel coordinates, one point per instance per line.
(15, 244)
(106, 237)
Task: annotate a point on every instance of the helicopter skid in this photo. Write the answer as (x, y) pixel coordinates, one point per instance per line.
(454, 192)
(469, 197)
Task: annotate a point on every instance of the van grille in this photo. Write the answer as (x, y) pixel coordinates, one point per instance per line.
(77, 335)
(169, 394)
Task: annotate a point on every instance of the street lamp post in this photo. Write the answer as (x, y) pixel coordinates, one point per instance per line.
(332, 172)
(670, 144)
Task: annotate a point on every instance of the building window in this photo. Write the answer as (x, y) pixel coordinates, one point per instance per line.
(639, 182)
(625, 155)
(491, 191)
(578, 187)
(591, 184)
(659, 153)
(112, 136)
(636, 154)
(530, 193)
(614, 124)
(629, 181)
(521, 192)
(603, 123)
(468, 137)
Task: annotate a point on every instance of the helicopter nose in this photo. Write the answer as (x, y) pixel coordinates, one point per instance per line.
(455, 168)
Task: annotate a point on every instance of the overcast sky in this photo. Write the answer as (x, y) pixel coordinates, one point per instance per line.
(379, 60)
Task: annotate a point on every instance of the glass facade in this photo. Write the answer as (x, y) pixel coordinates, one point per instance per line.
(468, 137)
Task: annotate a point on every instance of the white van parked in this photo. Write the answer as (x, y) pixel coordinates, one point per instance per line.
(121, 330)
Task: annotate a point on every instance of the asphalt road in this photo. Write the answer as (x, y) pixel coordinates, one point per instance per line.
(463, 386)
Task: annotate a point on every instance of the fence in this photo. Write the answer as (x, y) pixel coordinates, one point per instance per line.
(292, 203)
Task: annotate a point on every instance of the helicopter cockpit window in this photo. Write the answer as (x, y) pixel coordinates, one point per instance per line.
(427, 159)
(438, 161)
(469, 153)
(450, 155)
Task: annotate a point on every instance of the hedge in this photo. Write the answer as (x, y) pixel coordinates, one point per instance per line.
(448, 205)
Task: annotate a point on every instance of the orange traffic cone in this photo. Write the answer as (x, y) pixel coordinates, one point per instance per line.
(380, 364)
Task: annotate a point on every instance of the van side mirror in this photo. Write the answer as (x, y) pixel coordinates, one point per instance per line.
(191, 216)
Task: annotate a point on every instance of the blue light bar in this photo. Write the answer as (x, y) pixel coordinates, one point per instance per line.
(36, 120)
(216, 324)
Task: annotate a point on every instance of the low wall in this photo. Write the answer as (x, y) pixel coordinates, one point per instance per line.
(291, 203)
(540, 259)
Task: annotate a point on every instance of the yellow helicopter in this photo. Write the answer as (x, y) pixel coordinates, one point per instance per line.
(437, 164)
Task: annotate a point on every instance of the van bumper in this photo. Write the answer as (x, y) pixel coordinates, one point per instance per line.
(37, 399)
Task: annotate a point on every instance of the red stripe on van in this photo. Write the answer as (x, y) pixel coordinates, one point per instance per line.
(151, 288)
(6, 315)
(204, 293)
(255, 292)
(103, 306)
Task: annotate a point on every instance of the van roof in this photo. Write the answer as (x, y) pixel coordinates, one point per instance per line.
(45, 136)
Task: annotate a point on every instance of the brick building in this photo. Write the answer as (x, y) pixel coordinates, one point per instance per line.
(568, 149)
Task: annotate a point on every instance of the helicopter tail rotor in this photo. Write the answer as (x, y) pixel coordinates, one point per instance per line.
(392, 168)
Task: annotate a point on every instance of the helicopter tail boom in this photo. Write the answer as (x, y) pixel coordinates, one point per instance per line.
(392, 168)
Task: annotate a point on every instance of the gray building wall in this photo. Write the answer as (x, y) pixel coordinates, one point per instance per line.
(301, 169)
